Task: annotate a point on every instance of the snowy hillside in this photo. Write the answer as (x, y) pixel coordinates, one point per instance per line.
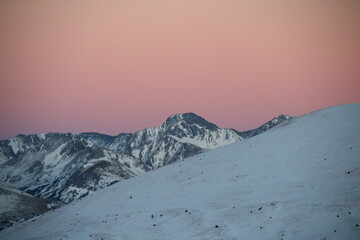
(299, 180)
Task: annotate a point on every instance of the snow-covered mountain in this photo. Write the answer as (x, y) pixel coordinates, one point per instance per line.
(299, 180)
(13, 147)
(63, 166)
(17, 205)
(266, 126)
(180, 136)
(68, 166)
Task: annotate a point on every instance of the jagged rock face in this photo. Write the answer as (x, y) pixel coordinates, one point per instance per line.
(105, 141)
(190, 119)
(180, 136)
(66, 166)
(14, 146)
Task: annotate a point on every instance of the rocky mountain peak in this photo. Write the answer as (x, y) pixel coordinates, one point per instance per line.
(279, 119)
(186, 119)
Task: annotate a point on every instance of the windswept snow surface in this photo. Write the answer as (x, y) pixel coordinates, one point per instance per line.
(299, 180)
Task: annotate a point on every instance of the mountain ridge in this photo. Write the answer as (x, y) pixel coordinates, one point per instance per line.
(67, 166)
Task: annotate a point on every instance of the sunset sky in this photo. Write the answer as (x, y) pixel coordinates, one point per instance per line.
(115, 66)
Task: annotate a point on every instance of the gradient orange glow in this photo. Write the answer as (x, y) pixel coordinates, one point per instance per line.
(120, 66)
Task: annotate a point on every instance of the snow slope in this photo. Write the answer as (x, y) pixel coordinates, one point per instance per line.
(299, 180)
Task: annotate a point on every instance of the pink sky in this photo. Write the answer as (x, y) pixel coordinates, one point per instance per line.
(120, 66)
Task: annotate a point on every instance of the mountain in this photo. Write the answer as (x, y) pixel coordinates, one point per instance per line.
(67, 166)
(12, 147)
(263, 128)
(16, 205)
(180, 136)
(64, 167)
(299, 180)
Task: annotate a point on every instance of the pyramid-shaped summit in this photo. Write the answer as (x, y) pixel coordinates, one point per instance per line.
(190, 119)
